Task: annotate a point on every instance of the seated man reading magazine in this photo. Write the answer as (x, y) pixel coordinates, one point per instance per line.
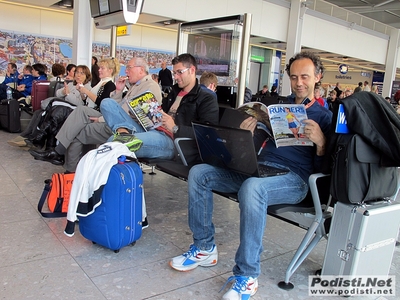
(255, 194)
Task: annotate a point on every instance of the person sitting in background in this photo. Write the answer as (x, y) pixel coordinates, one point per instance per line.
(24, 84)
(154, 77)
(264, 92)
(11, 75)
(83, 126)
(95, 71)
(67, 93)
(58, 72)
(209, 81)
(274, 91)
(70, 75)
(248, 95)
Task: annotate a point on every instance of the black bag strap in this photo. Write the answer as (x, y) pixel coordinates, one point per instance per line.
(46, 190)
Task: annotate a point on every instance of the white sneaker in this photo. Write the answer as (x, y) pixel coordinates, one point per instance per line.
(194, 258)
(242, 289)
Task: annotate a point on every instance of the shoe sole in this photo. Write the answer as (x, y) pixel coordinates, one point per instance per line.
(54, 162)
(194, 266)
(16, 144)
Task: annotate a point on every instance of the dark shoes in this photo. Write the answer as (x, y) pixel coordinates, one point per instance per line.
(50, 155)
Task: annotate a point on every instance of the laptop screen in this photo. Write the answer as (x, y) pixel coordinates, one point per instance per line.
(226, 147)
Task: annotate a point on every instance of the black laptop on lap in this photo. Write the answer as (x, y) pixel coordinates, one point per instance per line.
(231, 148)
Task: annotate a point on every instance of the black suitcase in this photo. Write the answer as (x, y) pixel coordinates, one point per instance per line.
(10, 115)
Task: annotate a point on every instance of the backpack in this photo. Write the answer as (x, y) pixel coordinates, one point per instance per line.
(357, 174)
(56, 191)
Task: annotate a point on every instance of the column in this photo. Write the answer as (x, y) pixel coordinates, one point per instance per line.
(391, 62)
(82, 34)
(293, 41)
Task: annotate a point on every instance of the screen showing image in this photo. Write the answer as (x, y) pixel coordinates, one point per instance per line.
(104, 8)
(212, 52)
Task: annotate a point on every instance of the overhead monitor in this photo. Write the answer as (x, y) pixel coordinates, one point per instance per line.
(108, 13)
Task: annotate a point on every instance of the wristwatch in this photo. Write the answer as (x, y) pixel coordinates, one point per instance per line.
(175, 129)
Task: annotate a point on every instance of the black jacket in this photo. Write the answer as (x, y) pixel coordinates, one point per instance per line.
(199, 105)
(372, 117)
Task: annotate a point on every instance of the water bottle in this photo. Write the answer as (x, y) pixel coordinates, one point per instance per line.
(9, 93)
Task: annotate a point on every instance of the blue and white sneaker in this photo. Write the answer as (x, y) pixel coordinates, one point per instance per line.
(242, 289)
(194, 258)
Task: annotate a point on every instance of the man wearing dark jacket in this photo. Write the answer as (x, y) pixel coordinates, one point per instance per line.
(165, 77)
(186, 102)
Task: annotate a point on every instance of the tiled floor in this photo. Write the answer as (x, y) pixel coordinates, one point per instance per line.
(37, 261)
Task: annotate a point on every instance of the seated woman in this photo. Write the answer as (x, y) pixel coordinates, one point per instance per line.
(68, 93)
(107, 71)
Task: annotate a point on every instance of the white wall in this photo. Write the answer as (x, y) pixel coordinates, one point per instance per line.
(60, 24)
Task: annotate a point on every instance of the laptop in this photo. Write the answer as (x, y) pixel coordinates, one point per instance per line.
(231, 148)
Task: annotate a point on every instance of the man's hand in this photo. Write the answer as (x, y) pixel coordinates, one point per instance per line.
(315, 134)
(21, 87)
(94, 119)
(249, 124)
(167, 121)
(120, 84)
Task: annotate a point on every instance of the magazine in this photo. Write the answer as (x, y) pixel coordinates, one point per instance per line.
(283, 122)
(146, 110)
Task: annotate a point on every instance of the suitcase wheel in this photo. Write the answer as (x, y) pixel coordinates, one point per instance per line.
(133, 244)
(94, 243)
(116, 251)
(318, 272)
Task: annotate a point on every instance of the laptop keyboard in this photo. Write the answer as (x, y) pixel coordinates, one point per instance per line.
(266, 171)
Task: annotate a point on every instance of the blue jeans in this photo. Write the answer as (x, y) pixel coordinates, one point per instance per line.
(156, 144)
(254, 194)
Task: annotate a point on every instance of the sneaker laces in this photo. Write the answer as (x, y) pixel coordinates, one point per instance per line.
(193, 251)
(240, 284)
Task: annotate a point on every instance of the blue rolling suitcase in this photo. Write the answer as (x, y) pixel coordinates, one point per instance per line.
(117, 221)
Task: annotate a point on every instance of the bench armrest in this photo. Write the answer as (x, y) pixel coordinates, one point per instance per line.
(179, 145)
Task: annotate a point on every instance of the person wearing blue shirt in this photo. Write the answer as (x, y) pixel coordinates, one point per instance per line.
(11, 74)
(209, 80)
(256, 194)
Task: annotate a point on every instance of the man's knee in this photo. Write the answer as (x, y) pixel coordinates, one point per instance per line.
(198, 174)
(107, 103)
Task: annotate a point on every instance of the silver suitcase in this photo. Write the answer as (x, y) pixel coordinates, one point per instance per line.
(361, 239)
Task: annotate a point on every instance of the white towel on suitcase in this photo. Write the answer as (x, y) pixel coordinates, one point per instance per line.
(92, 172)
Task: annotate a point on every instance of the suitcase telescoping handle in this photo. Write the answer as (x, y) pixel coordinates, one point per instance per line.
(123, 159)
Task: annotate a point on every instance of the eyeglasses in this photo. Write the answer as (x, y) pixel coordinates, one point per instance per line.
(179, 72)
(80, 72)
(131, 67)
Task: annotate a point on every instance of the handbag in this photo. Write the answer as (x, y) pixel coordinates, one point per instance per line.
(357, 175)
(56, 191)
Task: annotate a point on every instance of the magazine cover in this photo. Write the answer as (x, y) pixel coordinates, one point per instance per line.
(259, 111)
(146, 110)
(287, 126)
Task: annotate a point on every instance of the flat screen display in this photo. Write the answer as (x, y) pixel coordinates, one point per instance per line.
(212, 51)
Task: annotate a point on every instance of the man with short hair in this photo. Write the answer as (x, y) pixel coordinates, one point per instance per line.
(367, 88)
(11, 75)
(209, 80)
(165, 77)
(186, 102)
(256, 194)
(359, 87)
